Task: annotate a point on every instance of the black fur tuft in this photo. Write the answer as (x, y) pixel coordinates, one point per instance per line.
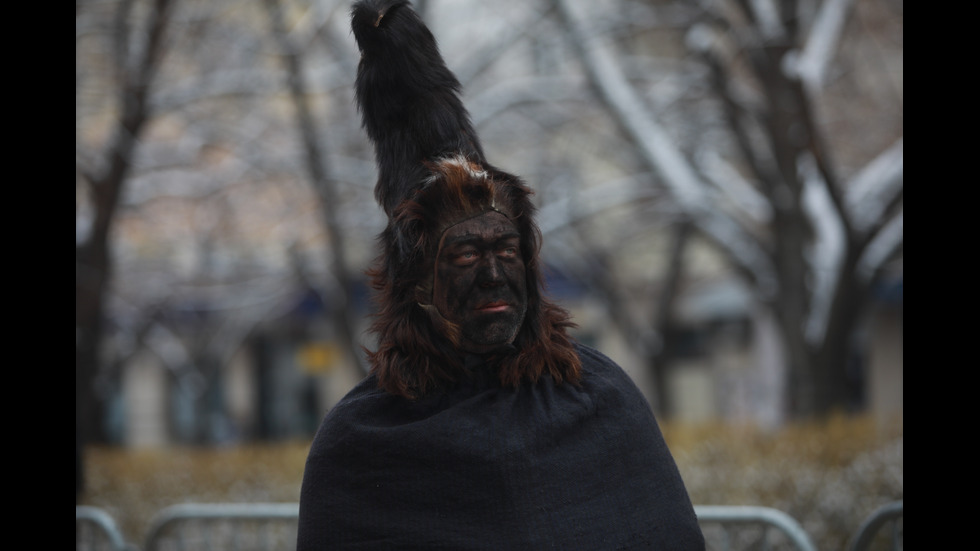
(408, 98)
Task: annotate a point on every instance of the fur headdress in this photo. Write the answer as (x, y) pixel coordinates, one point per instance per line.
(432, 173)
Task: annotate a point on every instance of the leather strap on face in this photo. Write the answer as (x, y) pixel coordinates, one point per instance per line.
(423, 292)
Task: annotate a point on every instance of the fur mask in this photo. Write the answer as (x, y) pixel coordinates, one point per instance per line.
(432, 174)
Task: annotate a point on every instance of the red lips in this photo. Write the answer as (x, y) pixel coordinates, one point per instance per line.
(493, 306)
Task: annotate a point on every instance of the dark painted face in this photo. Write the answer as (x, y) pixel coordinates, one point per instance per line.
(479, 281)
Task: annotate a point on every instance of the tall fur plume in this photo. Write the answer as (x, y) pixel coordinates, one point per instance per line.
(409, 99)
(432, 173)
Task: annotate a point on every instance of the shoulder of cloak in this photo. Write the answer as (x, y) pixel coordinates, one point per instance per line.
(481, 467)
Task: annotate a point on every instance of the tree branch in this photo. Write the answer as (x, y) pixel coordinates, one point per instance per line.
(821, 43)
(322, 183)
(657, 150)
(874, 190)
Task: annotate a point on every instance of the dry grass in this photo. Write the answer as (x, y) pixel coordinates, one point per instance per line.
(133, 485)
(829, 475)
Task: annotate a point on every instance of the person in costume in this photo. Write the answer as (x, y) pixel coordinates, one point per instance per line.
(482, 424)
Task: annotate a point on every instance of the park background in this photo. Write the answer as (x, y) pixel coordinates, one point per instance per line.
(720, 186)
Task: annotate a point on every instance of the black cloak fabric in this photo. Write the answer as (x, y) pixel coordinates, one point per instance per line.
(543, 466)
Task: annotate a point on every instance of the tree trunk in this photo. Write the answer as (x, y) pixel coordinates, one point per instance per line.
(340, 303)
(836, 361)
(93, 259)
(660, 359)
(91, 274)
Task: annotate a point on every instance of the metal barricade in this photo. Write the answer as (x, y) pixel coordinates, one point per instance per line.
(269, 526)
(892, 513)
(226, 526)
(95, 530)
(749, 527)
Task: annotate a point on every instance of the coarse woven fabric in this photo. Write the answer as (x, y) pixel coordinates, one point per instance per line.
(479, 466)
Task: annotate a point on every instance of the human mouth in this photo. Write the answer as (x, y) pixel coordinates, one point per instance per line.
(494, 306)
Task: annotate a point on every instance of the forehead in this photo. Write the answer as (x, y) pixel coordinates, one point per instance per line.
(489, 226)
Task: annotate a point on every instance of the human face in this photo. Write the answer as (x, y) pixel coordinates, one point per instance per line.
(479, 281)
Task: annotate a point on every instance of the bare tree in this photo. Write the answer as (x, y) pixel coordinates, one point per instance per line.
(255, 163)
(820, 241)
(218, 222)
(138, 48)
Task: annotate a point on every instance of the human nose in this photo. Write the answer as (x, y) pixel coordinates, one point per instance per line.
(491, 272)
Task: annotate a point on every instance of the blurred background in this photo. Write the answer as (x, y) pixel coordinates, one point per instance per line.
(720, 185)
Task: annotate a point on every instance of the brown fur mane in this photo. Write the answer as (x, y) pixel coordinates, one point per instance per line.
(413, 357)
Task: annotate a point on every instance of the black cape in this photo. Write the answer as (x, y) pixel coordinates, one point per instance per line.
(543, 466)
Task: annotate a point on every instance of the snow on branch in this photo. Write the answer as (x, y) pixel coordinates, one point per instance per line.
(767, 15)
(821, 43)
(884, 246)
(685, 186)
(873, 189)
(826, 252)
(734, 188)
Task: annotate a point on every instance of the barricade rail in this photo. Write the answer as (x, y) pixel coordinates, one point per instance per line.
(893, 513)
(268, 526)
(95, 530)
(748, 527)
(230, 526)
